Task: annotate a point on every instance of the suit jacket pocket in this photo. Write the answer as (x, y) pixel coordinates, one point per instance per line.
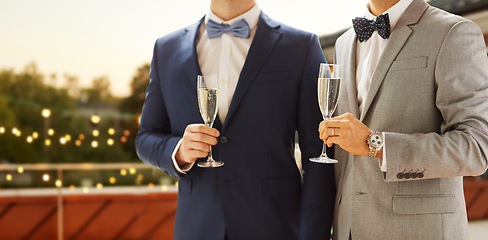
(424, 204)
(184, 187)
(411, 63)
(277, 187)
(268, 77)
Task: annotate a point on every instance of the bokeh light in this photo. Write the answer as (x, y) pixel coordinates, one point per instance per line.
(46, 112)
(45, 177)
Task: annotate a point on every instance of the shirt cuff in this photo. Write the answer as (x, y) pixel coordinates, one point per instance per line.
(185, 168)
(383, 161)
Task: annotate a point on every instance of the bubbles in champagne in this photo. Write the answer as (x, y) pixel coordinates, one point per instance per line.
(207, 102)
(328, 94)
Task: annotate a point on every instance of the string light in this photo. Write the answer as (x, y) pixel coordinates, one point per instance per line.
(29, 139)
(2, 130)
(46, 112)
(62, 141)
(20, 169)
(111, 131)
(81, 136)
(95, 119)
(112, 180)
(50, 132)
(164, 188)
(132, 171)
(78, 143)
(85, 190)
(58, 183)
(71, 187)
(150, 185)
(45, 177)
(110, 142)
(127, 133)
(8, 177)
(47, 142)
(123, 139)
(94, 144)
(67, 137)
(35, 135)
(95, 133)
(123, 172)
(99, 186)
(16, 132)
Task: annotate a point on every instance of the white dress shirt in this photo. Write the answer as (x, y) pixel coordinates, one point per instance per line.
(368, 54)
(224, 56)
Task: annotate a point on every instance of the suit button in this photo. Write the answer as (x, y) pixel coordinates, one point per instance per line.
(400, 175)
(420, 175)
(414, 175)
(223, 140)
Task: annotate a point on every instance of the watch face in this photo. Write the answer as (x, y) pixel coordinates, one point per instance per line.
(376, 140)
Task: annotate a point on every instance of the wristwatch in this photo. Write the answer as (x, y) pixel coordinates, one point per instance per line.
(375, 142)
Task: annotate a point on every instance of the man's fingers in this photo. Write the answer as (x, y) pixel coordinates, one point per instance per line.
(200, 128)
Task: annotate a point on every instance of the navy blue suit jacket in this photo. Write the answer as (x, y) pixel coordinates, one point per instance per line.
(259, 193)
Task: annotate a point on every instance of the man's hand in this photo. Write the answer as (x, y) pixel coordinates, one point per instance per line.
(347, 132)
(196, 143)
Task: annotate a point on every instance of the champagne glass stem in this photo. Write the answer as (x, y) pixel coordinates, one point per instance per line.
(324, 153)
(210, 157)
(324, 145)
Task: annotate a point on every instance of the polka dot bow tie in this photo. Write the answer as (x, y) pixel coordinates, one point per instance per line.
(239, 29)
(364, 28)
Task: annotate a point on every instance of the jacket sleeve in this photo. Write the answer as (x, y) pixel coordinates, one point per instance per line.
(461, 147)
(318, 191)
(155, 142)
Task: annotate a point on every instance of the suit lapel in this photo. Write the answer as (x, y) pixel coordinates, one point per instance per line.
(189, 59)
(350, 71)
(349, 92)
(267, 36)
(398, 38)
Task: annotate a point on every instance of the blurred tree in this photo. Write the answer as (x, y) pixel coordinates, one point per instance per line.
(133, 103)
(22, 97)
(72, 85)
(99, 92)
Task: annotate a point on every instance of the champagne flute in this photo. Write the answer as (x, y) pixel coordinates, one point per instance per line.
(208, 98)
(329, 86)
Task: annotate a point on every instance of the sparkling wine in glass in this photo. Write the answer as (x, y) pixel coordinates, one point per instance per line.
(329, 86)
(208, 98)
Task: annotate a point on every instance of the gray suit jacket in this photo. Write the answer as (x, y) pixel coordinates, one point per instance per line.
(429, 93)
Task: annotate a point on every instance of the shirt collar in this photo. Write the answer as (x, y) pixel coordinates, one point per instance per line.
(251, 16)
(394, 13)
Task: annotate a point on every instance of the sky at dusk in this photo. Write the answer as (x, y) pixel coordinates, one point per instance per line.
(94, 38)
